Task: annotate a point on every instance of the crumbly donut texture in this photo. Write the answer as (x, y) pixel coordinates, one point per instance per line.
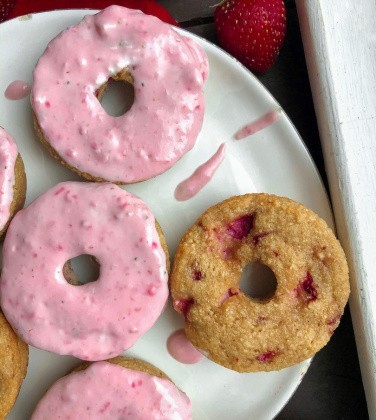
(130, 363)
(117, 388)
(246, 334)
(13, 365)
(167, 72)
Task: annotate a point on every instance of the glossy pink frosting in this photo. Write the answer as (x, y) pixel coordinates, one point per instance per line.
(8, 156)
(167, 114)
(17, 89)
(108, 391)
(257, 125)
(97, 320)
(181, 349)
(201, 176)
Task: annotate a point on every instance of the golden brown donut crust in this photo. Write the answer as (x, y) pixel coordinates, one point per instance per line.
(235, 330)
(130, 363)
(14, 355)
(19, 192)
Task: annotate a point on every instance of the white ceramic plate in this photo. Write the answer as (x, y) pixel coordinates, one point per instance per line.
(274, 160)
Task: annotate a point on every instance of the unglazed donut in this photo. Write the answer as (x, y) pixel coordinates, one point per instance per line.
(13, 365)
(167, 72)
(242, 333)
(12, 180)
(96, 320)
(117, 388)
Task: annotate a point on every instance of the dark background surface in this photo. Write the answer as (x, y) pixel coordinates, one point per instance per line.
(332, 388)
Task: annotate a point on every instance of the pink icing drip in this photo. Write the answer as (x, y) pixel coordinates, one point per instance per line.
(258, 124)
(108, 391)
(17, 90)
(200, 177)
(182, 349)
(8, 156)
(165, 118)
(100, 319)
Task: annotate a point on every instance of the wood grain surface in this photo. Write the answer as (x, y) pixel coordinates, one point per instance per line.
(332, 389)
(341, 60)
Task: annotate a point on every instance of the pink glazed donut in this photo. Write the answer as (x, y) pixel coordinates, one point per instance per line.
(120, 388)
(96, 320)
(12, 180)
(167, 72)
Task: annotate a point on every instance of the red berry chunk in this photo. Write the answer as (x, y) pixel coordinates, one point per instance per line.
(241, 227)
(230, 292)
(184, 305)
(333, 323)
(196, 274)
(266, 357)
(334, 320)
(307, 289)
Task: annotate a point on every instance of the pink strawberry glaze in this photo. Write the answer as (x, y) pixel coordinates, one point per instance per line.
(108, 391)
(8, 156)
(200, 177)
(257, 125)
(165, 118)
(17, 90)
(181, 349)
(100, 319)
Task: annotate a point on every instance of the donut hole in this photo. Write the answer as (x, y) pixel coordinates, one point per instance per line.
(116, 96)
(81, 270)
(258, 282)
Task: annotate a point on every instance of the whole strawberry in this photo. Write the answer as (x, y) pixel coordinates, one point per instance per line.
(252, 30)
(6, 7)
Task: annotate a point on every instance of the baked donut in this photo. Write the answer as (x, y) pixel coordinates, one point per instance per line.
(117, 388)
(167, 72)
(95, 320)
(14, 355)
(12, 180)
(247, 334)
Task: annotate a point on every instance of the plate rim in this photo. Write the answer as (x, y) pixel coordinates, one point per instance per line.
(217, 50)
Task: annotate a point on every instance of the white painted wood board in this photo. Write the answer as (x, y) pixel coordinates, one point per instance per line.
(340, 46)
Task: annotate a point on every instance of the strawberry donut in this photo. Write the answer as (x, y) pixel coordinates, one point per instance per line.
(12, 180)
(167, 72)
(14, 356)
(114, 389)
(95, 320)
(248, 334)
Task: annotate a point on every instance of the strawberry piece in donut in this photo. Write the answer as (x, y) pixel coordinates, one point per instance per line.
(167, 72)
(270, 332)
(95, 320)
